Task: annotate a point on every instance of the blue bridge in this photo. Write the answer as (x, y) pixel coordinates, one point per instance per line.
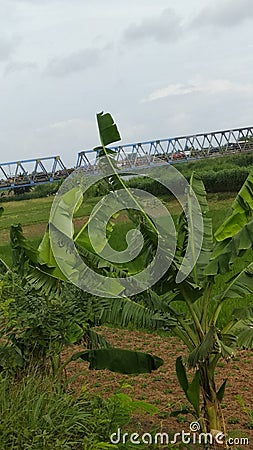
(31, 172)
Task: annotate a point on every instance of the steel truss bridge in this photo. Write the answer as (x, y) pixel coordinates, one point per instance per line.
(31, 172)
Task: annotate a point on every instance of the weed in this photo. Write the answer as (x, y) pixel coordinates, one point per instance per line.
(233, 420)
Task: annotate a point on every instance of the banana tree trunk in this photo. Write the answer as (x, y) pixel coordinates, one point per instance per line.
(212, 415)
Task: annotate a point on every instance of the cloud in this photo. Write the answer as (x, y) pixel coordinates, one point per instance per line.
(164, 28)
(7, 47)
(18, 66)
(208, 87)
(228, 13)
(169, 26)
(75, 62)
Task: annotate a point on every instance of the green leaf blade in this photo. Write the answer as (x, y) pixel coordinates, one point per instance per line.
(108, 130)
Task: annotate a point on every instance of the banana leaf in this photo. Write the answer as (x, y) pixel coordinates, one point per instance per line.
(120, 360)
(108, 130)
(242, 209)
(191, 216)
(191, 390)
(241, 285)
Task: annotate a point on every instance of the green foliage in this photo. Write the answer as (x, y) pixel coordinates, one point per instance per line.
(215, 180)
(39, 191)
(36, 415)
(227, 180)
(108, 130)
(35, 329)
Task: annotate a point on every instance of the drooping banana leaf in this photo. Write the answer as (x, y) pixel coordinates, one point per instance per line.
(32, 263)
(22, 251)
(96, 340)
(227, 343)
(121, 312)
(202, 352)
(45, 253)
(120, 360)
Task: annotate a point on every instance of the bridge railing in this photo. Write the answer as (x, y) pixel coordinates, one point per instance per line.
(129, 156)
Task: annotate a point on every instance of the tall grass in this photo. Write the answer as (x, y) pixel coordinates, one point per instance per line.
(33, 415)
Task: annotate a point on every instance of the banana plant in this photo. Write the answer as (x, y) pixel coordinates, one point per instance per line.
(199, 325)
(190, 309)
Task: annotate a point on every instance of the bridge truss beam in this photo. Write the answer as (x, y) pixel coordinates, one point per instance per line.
(29, 172)
(171, 150)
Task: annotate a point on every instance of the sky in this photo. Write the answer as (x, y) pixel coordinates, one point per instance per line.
(162, 69)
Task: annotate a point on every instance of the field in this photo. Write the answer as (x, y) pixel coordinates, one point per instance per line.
(34, 214)
(159, 388)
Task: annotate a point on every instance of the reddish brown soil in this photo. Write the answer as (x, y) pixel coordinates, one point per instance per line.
(161, 388)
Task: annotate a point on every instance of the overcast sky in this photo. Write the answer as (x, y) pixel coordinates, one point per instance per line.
(162, 68)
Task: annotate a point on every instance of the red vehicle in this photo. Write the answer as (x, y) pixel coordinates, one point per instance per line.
(178, 155)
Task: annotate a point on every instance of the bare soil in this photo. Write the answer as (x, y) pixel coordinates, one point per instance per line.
(161, 388)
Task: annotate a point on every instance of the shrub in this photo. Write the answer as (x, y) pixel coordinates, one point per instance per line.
(227, 180)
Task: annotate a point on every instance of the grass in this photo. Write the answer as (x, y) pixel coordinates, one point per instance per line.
(36, 211)
(33, 215)
(34, 415)
(26, 212)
